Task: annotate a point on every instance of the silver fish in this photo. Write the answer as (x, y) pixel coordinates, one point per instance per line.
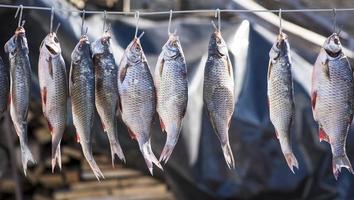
(106, 91)
(218, 92)
(172, 92)
(82, 93)
(332, 98)
(53, 83)
(20, 86)
(4, 87)
(138, 99)
(281, 96)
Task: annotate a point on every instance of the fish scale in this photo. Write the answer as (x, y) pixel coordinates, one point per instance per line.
(332, 100)
(20, 86)
(4, 86)
(172, 92)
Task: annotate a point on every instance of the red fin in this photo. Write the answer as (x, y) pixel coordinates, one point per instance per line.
(323, 136)
(103, 126)
(131, 134)
(162, 125)
(277, 135)
(313, 99)
(49, 126)
(77, 138)
(44, 96)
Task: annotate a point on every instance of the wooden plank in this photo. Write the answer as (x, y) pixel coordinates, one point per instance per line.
(72, 176)
(7, 185)
(71, 195)
(147, 190)
(112, 173)
(92, 185)
(137, 181)
(51, 180)
(72, 152)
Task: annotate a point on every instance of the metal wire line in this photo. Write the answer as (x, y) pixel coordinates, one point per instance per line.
(180, 11)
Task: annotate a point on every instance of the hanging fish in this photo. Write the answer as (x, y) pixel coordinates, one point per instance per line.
(106, 91)
(281, 96)
(82, 93)
(218, 92)
(332, 98)
(172, 92)
(4, 87)
(53, 83)
(138, 99)
(20, 86)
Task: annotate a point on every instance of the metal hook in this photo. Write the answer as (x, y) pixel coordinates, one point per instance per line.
(51, 20)
(280, 23)
(217, 15)
(83, 22)
(104, 20)
(136, 16)
(56, 30)
(169, 23)
(334, 20)
(19, 10)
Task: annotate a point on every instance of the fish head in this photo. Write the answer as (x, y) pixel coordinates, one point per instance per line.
(217, 45)
(82, 48)
(20, 38)
(332, 45)
(173, 47)
(51, 44)
(135, 51)
(281, 47)
(102, 45)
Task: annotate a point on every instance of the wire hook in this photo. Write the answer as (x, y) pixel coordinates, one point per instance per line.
(334, 20)
(104, 20)
(280, 23)
(217, 15)
(83, 22)
(51, 20)
(169, 23)
(136, 16)
(19, 10)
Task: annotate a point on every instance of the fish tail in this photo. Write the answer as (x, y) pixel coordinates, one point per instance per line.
(229, 157)
(149, 156)
(91, 161)
(57, 135)
(172, 138)
(291, 161)
(116, 149)
(339, 162)
(26, 155)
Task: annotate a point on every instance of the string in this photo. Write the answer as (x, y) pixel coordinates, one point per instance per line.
(334, 20)
(19, 10)
(83, 22)
(137, 23)
(169, 23)
(280, 25)
(104, 20)
(51, 20)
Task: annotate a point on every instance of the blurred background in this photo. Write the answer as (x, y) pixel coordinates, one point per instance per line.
(196, 169)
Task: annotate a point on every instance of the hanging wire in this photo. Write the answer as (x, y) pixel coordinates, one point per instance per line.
(182, 11)
(19, 10)
(51, 20)
(169, 23)
(137, 24)
(56, 30)
(280, 21)
(83, 22)
(334, 20)
(104, 20)
(217, 15)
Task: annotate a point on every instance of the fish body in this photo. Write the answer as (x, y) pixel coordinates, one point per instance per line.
(138, 99)
(20, 85)
(4, 87)
(172, 92)
(332, 98)
(106, 91)
(218, 92)
(281, 96)
(53, 84)
(82, 93)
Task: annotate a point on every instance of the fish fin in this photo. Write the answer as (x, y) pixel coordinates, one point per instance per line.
(326, 68)
(49, 125)
(77, 138)
(103, 126)
(323, 135)
(313, 100)
(291, 161)
(56, 157)
(116, 149)
(270, 65)
(123, 73)
(91, 161)
(162, 125)
(44, 97)
(229, 157)
(149, 156)
(57, 135)
(338, 163)
(277, 135)
(131, 134)
(50, 66)
(26, 155)
(161, 66)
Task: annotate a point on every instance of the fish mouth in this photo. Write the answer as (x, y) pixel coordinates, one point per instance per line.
(333, 46)
(20, 31)
(51, 50)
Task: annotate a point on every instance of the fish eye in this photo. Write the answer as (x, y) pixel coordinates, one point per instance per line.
(56, 40)
(218, 41)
